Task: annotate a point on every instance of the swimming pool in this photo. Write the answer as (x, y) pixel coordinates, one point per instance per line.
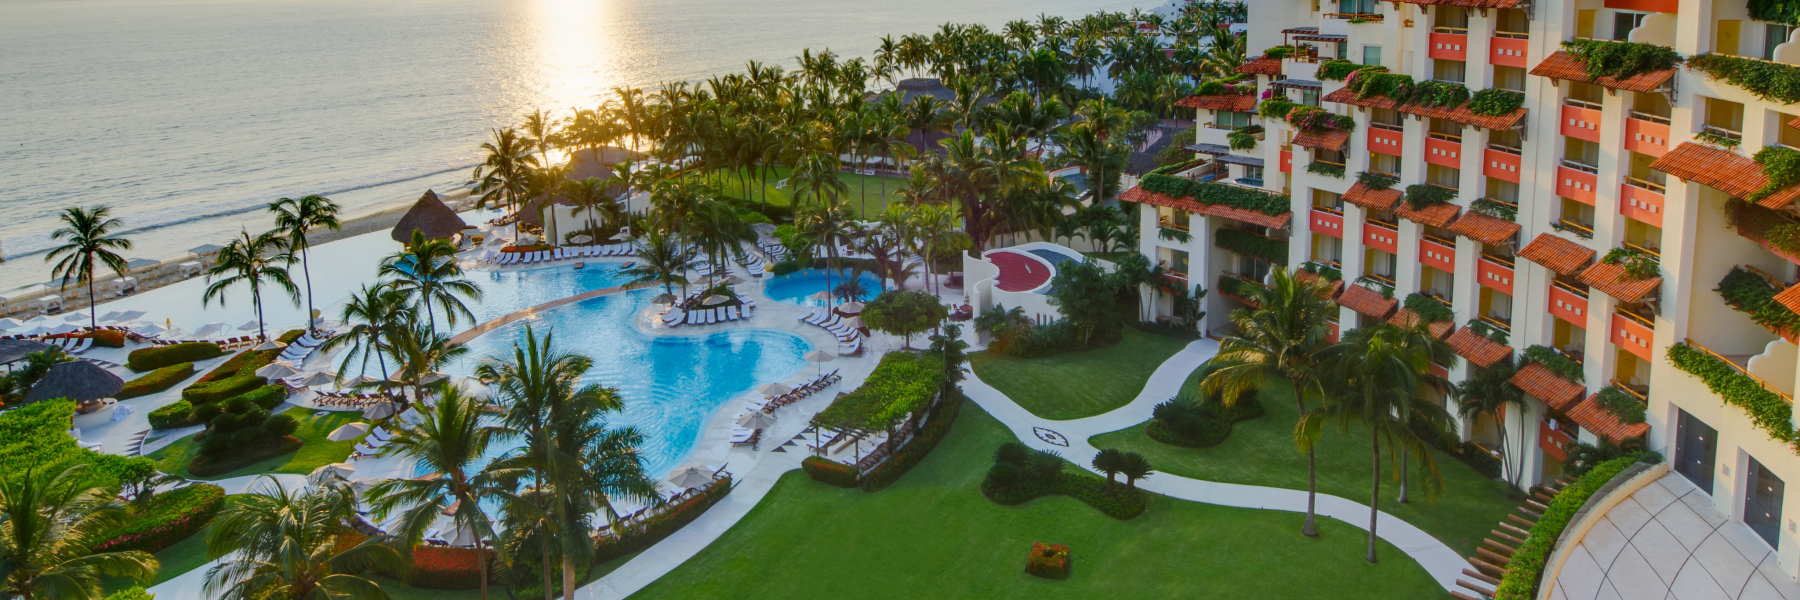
(797, 287)
(506, 292)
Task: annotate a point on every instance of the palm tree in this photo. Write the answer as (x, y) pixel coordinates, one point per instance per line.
(590, 196)
(49, 524)
(88, 243)
(826, 224)
(278, 543)
(1489, 392)
(504, 176)
(663, 259)
(296, 218)
(372, 315)
(1109, 461)
(421, 352)
(428, 269)
(1284, 340)
(257, 261)
(1134, 467)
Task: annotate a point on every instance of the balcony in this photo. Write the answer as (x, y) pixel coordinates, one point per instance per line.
(1647, 134)
(1495, 273)
(1576, 181)
(1500, 323)
(1449, 43)
(1332, 336)
(1287, 160)
(1443, 150)
(1437, 253)
(1501, 162)
(1381, 236)
(1633, 332)
(1568, 303)
(1329, 222)
(1231, 285)
(1386, 139)
(1641, 200)
(1175, 277)
(1554, 442)
(1581, 120)
(1722, 133)
(1507, 48)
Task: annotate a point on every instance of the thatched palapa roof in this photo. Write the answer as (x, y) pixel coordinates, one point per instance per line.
(77, 380)
(12, 351)
(598, 162)
(431, 216)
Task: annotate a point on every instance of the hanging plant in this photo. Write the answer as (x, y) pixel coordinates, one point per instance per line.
(1421, 196)
(1275, 108)
(1337, 70)
(1216, 87)
(1428, 309)
(1605, 58)
(1495, 102)
(1717, 140)
(1438, 93)
(1380, 83)
(1312, 119)
(1242, 139)
(1781, 166)
(1494, 209)
(1770, 81)
(1621, 404)
(1775, 11)
(1638, 265)
(1376, 181)
(1326, 169)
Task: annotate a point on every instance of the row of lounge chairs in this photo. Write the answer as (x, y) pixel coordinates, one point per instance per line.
(559, 253)
(850, 341)
(325, 398)
(773, 248)
(70, 345)
(303, 347)
(769, 403)
(675, 317)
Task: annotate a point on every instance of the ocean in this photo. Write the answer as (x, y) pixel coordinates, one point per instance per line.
(187, 116)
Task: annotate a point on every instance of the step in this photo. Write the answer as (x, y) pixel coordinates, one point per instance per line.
(1485, 592)
(1499, 547)
(1502, 535)
(1487, 567)
(1461, 596)
(1521, 520)
(1521, 532)
(1493, 557)
(1536, 506)
(1481, 576)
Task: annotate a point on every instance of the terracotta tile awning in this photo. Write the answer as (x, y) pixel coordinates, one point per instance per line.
(1610, 279)
(1460, 114)
(1557, 254)
(1375, 200)
(1485, 229)
(1469, 3)
(1722, 170)
(1435, 216)
(1142, 196)
(1591, 417)
(1330, 139)
(1563, 65)
(1794, 123)
(1545, 385)
(1477, 348)
(1367, 302)
(1790, 298)
(1333, 287)
(1261, 66)
(1229, 102)
(1345, 95)
(1407, 318)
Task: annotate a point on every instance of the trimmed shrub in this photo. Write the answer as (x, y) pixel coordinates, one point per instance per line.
(36, 436)
(1621, 404)
(174, 416)
(937, 425)
(206, 466)
(150, 359)
(1767, 410)
(1048, 561)
(1521, 579)
(202, 393)
(267, 397)
(1185, 422)
(1428, 309)
(829, 472)
(436, 567)
(1020, 475)
(166, 518)
(643, 533)
(157, 380)
(1606, 58)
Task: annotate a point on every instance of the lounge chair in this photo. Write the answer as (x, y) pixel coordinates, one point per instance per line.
(366, 450)
(751, 437)
(732, 311)
(711, 317)
(82, 346)
(748, 308)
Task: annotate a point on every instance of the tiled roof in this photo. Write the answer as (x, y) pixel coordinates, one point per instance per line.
(1591, 417)
(1794, 123)
(1435, 216)
(1610, 279)
(1459, 114)
(1485, 229)
(1722, 170)
(1557, 254)
(1345, 95)
(1261, 66)
(1335, 287)
(1330, 139)
(1546, 385)
(1407, 318)
(1790, 298)
(1141, 195)
(1477, 348)
(1563, 65)
(1376, 200)
(1469, 3)
(1366, 301)
(1231, 102)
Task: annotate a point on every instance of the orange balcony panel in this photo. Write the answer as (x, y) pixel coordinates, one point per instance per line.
(1641, 204)
(1287, 161)
(1646, 137)
(1440, 371)
(1325, 223)
(1664, 6)
(1568, 306)
(1449, 46)
(1553, 441)
(1631, 335)
(1437, 256)
(1494, 275)
(1500, 165)
(1332, 337)
(1443, 153)
(1381, 238)
(1575, 185)
(1581, 123)
(1507, 52)
(1384, 141)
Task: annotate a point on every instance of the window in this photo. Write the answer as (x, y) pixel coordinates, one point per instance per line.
(1372, 55)
(1509, 141)
(1309, 97)
(1577, 213)
(1495, 304)
(1789, 136)
(1443, 176)
(1451, 19)
(1586, 94)
(1327, 249)
(1650, 107)
(1387, 117)
(1379, 263)
(1774, 35)
(1227, 119)
(1727, 39)
(1358, 7)
(1623, 23)
(1503, 190)
(1585, 154)
(1724, 117)
(1386, 163)
(1511, 23)
(1448, 70)
(1253, 173)
(1509, 78)
(1335, 157)
(1342, 51)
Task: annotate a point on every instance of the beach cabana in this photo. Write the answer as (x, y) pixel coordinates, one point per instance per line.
(12, 351)
(78, 380)
(430, 216)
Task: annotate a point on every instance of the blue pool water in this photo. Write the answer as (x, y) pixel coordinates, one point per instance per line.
(798, 286)
(507, 292)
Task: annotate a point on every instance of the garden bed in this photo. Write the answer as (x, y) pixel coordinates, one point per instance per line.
(165, 519)
(202, 467)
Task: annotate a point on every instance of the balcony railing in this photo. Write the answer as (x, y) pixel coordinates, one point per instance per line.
(1448, 137)
(1498, 260)
(1513, 150)
(1384, 224)
(1739, 368)
(1582, 104)
(1632, 390)
(1729, 134)
(1644, 184)
(1438, 240)
(1644, 116)
(1388, 126)
(1580, 166)
(1564, 286)
(1223, 126)
(1499, 323)
(1370, 17)
(1451, 30)
(1512, 35)
(1653, 253)
(1168, 223)
(1385, 173)
(1637, 318)
(1377, 279)
(1582, 231)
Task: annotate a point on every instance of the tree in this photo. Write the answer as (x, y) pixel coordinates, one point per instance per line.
(49, 525)
(663, 259)
(1134, 467)
(280, 543)
(504, 175)
(295, 218)
(428, 270)
(421, 352)
(1109, 461)
(373, 315)
(1086, 298)
(590, 197)
(88, 243)
(1489, 391)
(904, 313)
(1284, 340)
(255, 261)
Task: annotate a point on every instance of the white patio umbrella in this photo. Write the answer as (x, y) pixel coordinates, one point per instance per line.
(715, 300)
(464, 537)
(691, 477)
(211, 329)
(820, 357)
(111, 317)
(131, 315)
(773, 389)
(340, 470)
(139, 263)
(349, 431)
(269, 344)
(39, 320)
(150, 329)
(433, 377)
(277, 370)
(206, 249)
(10, 323)
(251, 326)
(821, 296)
(757, 420)
(77, 316)
(380, 410)
(582, 239)
(851, 308)
(61, 328)
(621, 236)
(319, 378)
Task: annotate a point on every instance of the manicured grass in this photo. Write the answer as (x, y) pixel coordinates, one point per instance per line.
(316, 452)
(1261, 452)
(1073, 385)
(865, 190)
(933, 534)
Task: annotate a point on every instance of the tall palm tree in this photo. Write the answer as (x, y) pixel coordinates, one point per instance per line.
(49, 525)
(590, 197)
(428, 269)
(256, 261)
(88, 243)
(663, 259)
(1284, 340)
(372, 316)
(1489, 392)
(826, 224)
(503, 178)
(297, 217)
(280, 543)
(420, 352)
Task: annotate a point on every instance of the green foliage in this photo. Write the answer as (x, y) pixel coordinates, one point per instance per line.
(1775, 82)
(1243, 139)
(164, 519)
(904, 313)
(1607, 58)
(1583, 457)
(135, 593)
(150, 359)
(1207, 192)
(1638, 265)
(1621, 404)
(1766, 408)
(1376, 181)
(1775, 11)
(904, 382)
(1433, 93)
(1380, 83)
(1527, 566)
(1192, 422)
(1495, 102)
(937, 425)
(1428, 309)
(1250, 244)
(36, 436)
(1330, 273)
(1337, 69)
(157, 380)
(202, 393)
(1235, 287)
(1750, 293)
(1021, 474)
(1421, 196)
(1781, 166)
(240, 429)
(1088, 299)
(1215, 87)
(1312, 119)
(1176, 153)
(174, 416)
(1276, 107)
(1563, 366)
(830, 472)
(1494, 209)
(1280, 52)
(1326, 169)
(1717, 139)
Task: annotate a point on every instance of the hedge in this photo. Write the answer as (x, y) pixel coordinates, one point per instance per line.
(268, 397)
(174, 416)
(1766, 408)
(1527, 566)
(829, 472)
(436, 567)
(166, 518)
(1121, 503)
(1207, 192)
(1252, 245)
(642, 534)
(902, 383)
(249, 360)
(36, 436)
(1749, 293)
(157, 380)
(1561, 365)
(104, 338)
(1428, 309)
(202, 393)
(937, 425)
(150, 359)
(204, 466)
(1212, 421)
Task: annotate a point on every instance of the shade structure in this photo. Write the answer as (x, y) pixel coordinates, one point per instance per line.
(433, 377)
(853, 322)
(430, 217)
(691, 477)
(661, 298)
(131, 315)
(820, 356)
(380, 410)
(62, 328)
(77, 316)
(150, 329)
(277, 370)
(319, 378)
(757, 420)
(733, 280)
(12, 351)
(364, 380)
(269, 344)
(464, 537)
(716, 299)
(139, 263)
(621, 236)
(582, 239)
(772, 389)
(211, 329)
(10, 323)
(821, 296)
(253, 325)
(852, 308)
(206, 249)
(110, 317)
(349, 431)
(338, 470)
(79, 380)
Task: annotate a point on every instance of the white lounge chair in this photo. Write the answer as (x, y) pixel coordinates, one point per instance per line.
(731, 311)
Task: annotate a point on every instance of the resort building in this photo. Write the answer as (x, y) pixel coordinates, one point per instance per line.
(1496, 222)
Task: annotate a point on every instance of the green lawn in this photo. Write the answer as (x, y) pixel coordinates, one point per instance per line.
(1073, 385)
(316, 452)
(175, 560)
(934, 535)
(865, 191)
(1261, 452)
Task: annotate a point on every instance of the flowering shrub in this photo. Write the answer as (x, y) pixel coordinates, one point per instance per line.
(156, 381)
(526, 248)
(1048, 561)
(167, 518)
(653, 529)
(435, 567)
(829, 472)
(1312, 119)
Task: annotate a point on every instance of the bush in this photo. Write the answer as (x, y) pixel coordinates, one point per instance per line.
(1637, 264)
(1048, 561)
(903, 382)
(1191, 423)
(107, 338)
(209, 466)
(1251, 244)
(166, 518)
(150, 359)
(174, 416)
(937, 425)
(36, 436)
(1376, 181)
(1750, 293)
(1621, 404)
(1494, 102)
(135, 593)
(830, 472)
(1605, 58)
(643, 533)
(1421, 196)
(1563, 366)
(1312, 119)
(1428, 309)
(1527, 563)
(202, 393)
(157, 381)
(1021, 474)
(436, 567)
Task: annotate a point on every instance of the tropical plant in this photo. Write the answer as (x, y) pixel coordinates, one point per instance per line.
(504, 175)
(50, 521)
(427, 270)
(662, 259)
(904, 313)
(279, 543)
(1489, 391)
(88, 243)
(295, 218)
(257, 262)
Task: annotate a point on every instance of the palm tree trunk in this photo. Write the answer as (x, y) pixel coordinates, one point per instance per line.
(306, 271)
(1403, 477)
(1375, 492)
(544, 543)
(482, 563)
(93, 321)
(1312, 471)
(568, 577)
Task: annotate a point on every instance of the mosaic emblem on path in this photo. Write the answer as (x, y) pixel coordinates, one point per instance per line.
(1050, 437)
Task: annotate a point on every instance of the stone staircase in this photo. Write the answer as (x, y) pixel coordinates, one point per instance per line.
(1495, 553)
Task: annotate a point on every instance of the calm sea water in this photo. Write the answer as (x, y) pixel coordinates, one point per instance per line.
(187, 115)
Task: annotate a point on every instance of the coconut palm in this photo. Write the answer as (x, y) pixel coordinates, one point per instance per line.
(591, 197)
(420, 351)
(429, 271)
(662, 259)
(1490, 392)
(88, 244)
(280, 543)
(503, 178)
(49, 524)
(827, 224)
(297, 217)
(371, 316)
(1284, 341)
(256, 261)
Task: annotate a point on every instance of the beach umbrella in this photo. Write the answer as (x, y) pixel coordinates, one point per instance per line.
(77, 380)
(10, 323)
(61, 328)
(251, 326)
(621, 236)
(206, 249)
(319, 378)
(211, 329)
(464, 537)
(582, 239)
(733, 280)
(715, 300)
(349, 431)
(111, 317)
(773, 389)
(139, 263)
(853, 322)
(691, 477)
(269, 344)
(277, 370)
(131, 315)
(39, 320)
(339, 470)
(852, 308)
(150, 329)
(820, 356)
(663, 298)
(380, 410)
(821, 296)
(433, 377)
(364, 380)
(757, 420)
(77, 316)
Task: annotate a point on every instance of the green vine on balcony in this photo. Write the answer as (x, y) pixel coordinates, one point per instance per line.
(1330, 273)
(1374, 82)
(1717, 140)
(1438, 93)
(1638, 265)
(1562, 366)
(1216, 87)
(1207, 192)
(1750, 293)
(1376, 181)
(1421, 196)
(1171, 234)
(1494, 209)
(1243, 139)
(1780, 166)
(1768, 410)
(1312, 119)
(1336, 70)
(1495, 102)
(1626, 407)
(1489, 331)
(1245, 243)
(1428, 309)
(1275, 107)
(1770, 81)
(1605, 58)
(1235, 287)
(1326, 169)
(1775, 11)
(1279, 52)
